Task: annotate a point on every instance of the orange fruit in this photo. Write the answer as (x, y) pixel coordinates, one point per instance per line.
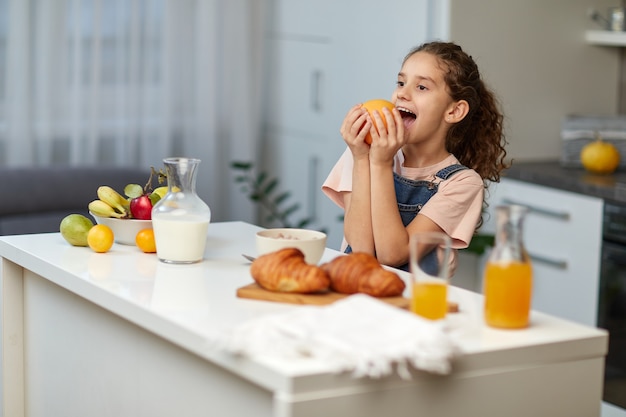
(145, 241)
(377, 104)
(100, 238)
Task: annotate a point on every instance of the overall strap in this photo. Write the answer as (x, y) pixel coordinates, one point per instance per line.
(448, 171)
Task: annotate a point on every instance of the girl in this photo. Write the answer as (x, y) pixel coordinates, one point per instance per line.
(428, 169)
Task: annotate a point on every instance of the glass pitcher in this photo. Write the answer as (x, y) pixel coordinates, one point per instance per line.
(181, 219)
(507, 282)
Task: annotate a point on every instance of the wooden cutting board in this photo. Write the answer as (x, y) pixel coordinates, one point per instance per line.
(255, 292)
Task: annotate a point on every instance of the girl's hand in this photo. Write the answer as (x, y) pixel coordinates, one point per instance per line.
(354, 128)
(387, 141)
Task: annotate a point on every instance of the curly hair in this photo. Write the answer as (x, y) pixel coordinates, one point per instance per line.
(478, 141)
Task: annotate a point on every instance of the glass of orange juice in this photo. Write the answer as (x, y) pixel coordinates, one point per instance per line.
(430, 274)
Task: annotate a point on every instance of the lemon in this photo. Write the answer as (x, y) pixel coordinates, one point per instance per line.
(600, 157)
(100, 238)
(161, 191)
(74, 229)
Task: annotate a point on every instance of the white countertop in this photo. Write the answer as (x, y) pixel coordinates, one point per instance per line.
(185, 303)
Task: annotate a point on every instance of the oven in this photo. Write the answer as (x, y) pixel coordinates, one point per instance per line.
(612, 302)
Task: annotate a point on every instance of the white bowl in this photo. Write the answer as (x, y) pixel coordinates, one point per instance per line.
(311, 242)
(124, 230)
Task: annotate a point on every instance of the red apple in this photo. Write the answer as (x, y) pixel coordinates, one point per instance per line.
(141, 208)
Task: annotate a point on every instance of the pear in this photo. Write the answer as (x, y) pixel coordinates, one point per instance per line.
(74, 229)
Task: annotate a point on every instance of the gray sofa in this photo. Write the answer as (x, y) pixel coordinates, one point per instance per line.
(35, 200)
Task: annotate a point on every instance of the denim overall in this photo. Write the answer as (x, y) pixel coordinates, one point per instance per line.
(411, 196)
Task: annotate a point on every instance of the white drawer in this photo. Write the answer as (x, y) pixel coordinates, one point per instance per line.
(560, 224)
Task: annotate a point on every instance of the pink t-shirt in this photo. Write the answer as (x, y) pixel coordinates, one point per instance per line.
(455, 207)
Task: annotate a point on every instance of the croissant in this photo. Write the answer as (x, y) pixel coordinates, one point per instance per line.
(286, 271)
(362, 273)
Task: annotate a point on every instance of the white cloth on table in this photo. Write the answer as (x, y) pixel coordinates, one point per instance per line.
(358, 333)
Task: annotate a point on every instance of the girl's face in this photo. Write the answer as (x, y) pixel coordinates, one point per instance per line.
(422, 97)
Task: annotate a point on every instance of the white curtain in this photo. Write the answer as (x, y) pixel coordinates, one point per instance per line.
(130, 82)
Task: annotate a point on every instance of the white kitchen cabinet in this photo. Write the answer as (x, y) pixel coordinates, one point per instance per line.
(300, 164)
(300, 81)
(562, 234)
(299, 130)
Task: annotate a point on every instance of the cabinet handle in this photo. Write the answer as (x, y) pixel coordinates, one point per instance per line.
(555, 263)
(316, 95)
(561, 215)
(313, 168)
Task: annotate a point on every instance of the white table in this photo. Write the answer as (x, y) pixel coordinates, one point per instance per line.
(121, 334)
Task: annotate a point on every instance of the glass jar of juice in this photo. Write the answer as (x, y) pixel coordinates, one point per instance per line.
(507, 282)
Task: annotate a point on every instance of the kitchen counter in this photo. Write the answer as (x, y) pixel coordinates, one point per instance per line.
(551, 174)
(123, 334)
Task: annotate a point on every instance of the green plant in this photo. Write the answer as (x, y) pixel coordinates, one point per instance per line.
(264, 191)
(480, 243)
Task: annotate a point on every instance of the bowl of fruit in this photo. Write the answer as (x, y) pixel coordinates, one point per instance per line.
(126, 214)
(124, 230)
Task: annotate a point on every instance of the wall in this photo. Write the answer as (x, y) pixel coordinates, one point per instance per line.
(533, 54)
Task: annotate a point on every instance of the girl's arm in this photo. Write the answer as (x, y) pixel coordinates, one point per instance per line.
(358, 219)
(391, 238)
(357, 216)
(387, 229)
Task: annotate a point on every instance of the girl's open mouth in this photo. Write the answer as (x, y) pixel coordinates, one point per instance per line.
(408, 117)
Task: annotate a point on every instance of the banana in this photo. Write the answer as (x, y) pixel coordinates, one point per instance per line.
(113, 199)
(102, 209)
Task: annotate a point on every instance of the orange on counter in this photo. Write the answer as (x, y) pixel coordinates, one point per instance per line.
(377, 104)
(600, 157)
(145, 241)
(100, 238)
